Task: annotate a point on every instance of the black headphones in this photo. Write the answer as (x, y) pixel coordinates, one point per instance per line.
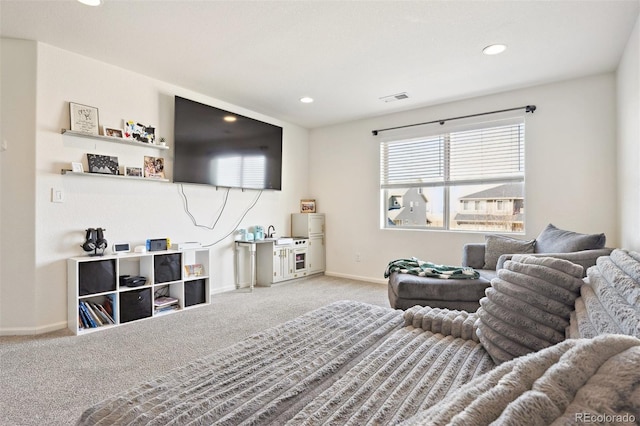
(94, 240)
(101, 243)
(90, 240)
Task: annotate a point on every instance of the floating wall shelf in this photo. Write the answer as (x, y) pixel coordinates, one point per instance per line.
(113, 139)
(68, 172)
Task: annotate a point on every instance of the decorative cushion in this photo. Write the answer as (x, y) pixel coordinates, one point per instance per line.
(610, 297)
(497, 245)
(556, 240)
(528, 306)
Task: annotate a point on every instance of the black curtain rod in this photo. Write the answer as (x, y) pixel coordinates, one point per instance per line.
(527, 108)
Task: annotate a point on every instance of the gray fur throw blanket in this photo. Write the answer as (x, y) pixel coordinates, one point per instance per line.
(345, 363)
(421, 268)
(577, 381)
(610, 301)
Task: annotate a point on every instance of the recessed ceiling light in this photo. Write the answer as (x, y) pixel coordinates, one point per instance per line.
(494, 49)
(229, 118)
(306, 100)
(91, 2)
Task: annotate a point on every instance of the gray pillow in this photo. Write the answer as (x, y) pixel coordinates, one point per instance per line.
(528, 305)
(555, 240)
(497, 245)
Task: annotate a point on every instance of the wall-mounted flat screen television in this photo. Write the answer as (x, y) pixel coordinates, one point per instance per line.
(222, 148)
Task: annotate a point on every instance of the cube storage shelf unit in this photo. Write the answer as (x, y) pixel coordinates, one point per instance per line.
(94, 284)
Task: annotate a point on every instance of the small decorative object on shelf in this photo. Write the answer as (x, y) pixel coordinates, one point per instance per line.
(307, 206)
(95, 243)
(77, 167)
(194, 270)
(104, 164)
(139, 132)
(154, 167)
(112, 133)
(133, 171)
(163, 142)
(84, 118)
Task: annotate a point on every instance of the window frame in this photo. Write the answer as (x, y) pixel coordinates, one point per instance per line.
(511, 124)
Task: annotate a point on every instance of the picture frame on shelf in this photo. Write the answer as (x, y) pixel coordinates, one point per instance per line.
(307, 206)
(103, 164)
(84, 118)
(139, 132)
(154, 167)
(112, 132)
(195, 270)
(77, 167)
(133, 171)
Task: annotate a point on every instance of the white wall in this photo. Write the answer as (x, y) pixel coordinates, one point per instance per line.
(570, 175)
(18, 309)
(129, 211)
(628, 79)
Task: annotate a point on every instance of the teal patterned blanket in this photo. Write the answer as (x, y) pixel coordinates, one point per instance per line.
(421, 268)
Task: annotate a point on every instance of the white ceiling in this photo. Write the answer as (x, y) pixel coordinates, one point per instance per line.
(265, 55)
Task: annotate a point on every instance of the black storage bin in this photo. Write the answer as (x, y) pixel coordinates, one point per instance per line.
(135, 304)
(96, 276)
(194, 292)
(167, 268)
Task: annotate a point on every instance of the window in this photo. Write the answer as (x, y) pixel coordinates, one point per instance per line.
(469, 178)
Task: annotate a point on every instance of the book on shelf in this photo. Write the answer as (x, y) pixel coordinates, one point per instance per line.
(163, 301)
(195, 270)
(101, 313)
(88, 319)
(166, 309)
(93, 315)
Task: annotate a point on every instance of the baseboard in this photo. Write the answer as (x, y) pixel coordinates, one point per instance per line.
(29, 331)
(227, 289)
(357, 277)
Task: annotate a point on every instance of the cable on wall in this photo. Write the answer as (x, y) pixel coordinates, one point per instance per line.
(238, 222)
(527, 108)
(185, 204)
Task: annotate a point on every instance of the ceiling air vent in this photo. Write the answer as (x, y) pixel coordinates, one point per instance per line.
(396, 97)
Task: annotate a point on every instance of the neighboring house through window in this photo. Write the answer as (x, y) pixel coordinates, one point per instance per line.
(467, 178)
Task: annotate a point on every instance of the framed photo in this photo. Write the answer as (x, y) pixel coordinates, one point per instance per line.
(307, 206)
(133, 171)
(84, 118)
(112, 132)
(139, 132)
(77, 167)
(154, 167)
(103, 164)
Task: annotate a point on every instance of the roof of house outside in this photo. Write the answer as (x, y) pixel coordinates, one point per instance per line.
(508, 191)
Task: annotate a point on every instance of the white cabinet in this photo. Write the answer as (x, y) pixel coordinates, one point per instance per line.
(316, 254)
(311, 226)
(276, 263)
(281, 264)
(101, 293)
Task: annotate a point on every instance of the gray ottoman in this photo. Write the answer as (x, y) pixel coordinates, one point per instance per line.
(407, 290)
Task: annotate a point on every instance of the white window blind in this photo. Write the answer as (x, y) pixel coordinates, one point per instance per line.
(406, 163)
(488, 153)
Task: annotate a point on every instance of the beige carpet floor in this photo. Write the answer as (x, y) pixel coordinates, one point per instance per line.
(51, 379)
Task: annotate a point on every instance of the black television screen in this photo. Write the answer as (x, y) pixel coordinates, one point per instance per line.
(221, 148)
